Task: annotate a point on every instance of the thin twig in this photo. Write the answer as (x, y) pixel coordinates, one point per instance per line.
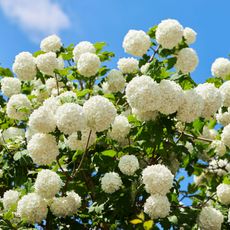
(154, 53)
(196, 138)
(58, 91)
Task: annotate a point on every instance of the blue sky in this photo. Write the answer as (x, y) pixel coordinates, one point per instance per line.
(22, 25)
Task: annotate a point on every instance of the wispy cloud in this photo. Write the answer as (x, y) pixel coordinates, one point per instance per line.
(37, 17)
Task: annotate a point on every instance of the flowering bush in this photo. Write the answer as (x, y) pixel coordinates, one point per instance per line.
(83, 146)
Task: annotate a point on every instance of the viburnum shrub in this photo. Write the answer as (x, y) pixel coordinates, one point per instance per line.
(88, 147)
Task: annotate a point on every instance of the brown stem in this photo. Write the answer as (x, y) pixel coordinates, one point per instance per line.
(193, 137)
(58, 91)
(154, 53)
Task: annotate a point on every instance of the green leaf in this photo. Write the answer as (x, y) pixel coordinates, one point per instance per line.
(148, 224)
(109, 153)
(141, 216)
(99, 46)
(152, 31)
(82, 93)
(5, 72)
(135, 221)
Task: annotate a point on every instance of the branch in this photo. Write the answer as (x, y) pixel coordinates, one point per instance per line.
(193, 137)
(58, 91)
(154, 53)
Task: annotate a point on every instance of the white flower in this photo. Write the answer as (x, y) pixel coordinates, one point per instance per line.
(79, 142)
(51, 43)
(120, 128)
(187, 60)
(67, 97)
(29, 133)
(221, 68)
(128, 65)
(169, 33)
(42, 120)
(157, 179)
(225, 136)
(223, 118)
(219, 147)
(136, 42)
(157, 206)
(209, 133)
(99, 112)
(70, 118)
(32, 208)
(88, 64)
(225, 93)
(212, 99)
(189, 35)
(10, 198)
(77, 200)
(143, 94)
(105, 88)
(116, 81)
(47, 63)
(52, 103)
(210, 219)
(171, 97)
(223, 193)
(18, 107)
(43, 148)
(81, 48)
(24, 66)
(40, 93)
(191, 107)
(47, 184)
(11, 133)
(10, 86)
(145, 116)
(111, 182)
(128, 164)
(144, 69)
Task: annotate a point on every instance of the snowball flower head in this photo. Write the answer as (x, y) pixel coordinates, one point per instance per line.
(51, 43)
(187, 60)
(145, 116)
(18, 107)
(76, 142)
(32, 208)
(223, 118)
(225, 136)
(43, 148)
(24, 66)
(221, 68)
(10, 198)
(111, 182)
(116, 81)
(70, 118)
(99, 112)
(169, 33)
(144, 68)
(128, 164)
(157, 206)
(81, 48)
(191, 107)
(10, 86)
(47, 183)
(143, 94)
(77, 200)
(11, 133)
(210, 219)
(219, 147)
(128, 65)
(136, 42)
(52, 103)
(223, 193)
(189, 35)
(171, 97)
(120, 128)
(157, 179)
(225, 93)
(211, 97)
(88, 64)
(42, 120)
(47, 63)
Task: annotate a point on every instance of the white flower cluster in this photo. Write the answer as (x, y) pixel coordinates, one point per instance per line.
(219, 147)
(32, 208)
(225, 136)
(67, 205)
(43, 148)
(10, 198)
(225, 92)
(136, 42)
(24, 66)
(11, 133)
(223, 193)
(209, 133)
(210, 219)
(18, 107)
(128, 65)
(47, 184)
(187, 60)
(81, 48)
(70, 118)
(169, 33)
(145, 116)
(189, 35)
(223, 118)
(88, 64)
(111, 182)
(120, 128)
(220, 167)
(10, 86)
(128, 164)
(157, 206)
(221, 68)
(99, 112)
(51, 43)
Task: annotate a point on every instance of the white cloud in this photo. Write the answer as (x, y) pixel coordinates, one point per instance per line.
(37, 17)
